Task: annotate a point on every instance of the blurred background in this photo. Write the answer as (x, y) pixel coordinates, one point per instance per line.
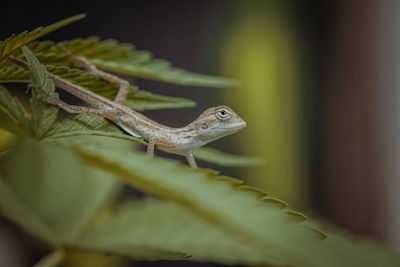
(319, 91)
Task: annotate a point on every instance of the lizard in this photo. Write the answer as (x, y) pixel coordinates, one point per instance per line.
(212, 124)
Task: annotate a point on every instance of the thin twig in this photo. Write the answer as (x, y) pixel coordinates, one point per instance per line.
(52, 259)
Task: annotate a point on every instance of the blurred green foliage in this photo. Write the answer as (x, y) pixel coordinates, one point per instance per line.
(262, 50)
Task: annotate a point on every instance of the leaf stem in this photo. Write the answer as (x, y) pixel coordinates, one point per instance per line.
(52, 259)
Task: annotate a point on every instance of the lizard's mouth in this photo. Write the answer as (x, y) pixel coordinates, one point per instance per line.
(238, 126)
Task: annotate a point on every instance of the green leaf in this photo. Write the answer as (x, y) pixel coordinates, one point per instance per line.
(13, 116)
(71, 129)
(38, 73)
(43, 116)
(47, 191)
(123, 58)
(13, 73)
(113, 56)
(214, 218)
(165, 225)
(161, 70)
(214, 156)
(14, 42)
(144, 100)
(135, 233)
(281, 236)
(239, 211)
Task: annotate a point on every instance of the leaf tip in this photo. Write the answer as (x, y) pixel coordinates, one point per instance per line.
(234, 182)
(297, 216)
(275, 202)
(317, 233)
(247, 188)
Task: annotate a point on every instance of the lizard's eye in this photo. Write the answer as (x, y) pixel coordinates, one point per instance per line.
(222, 114)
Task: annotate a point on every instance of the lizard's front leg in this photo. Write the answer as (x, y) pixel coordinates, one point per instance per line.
(190, 158)
(150, 148)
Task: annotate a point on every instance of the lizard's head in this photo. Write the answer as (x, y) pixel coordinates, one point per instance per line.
(218, 122)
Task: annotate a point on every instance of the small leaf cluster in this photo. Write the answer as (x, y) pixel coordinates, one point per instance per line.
(61, 181)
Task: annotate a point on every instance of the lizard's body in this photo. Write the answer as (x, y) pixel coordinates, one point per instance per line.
(212, 124)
